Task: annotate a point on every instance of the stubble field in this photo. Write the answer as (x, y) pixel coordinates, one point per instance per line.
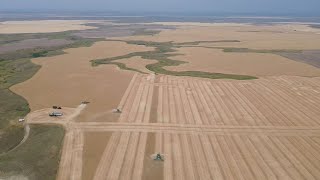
(213, 129)
(267, 128)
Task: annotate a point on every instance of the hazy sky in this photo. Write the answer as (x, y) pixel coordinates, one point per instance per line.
(208, 6)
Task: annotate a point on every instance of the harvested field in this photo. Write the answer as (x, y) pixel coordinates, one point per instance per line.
(267, 128)
(60, 77)
(44, 26)
(256, 64)
(230, 135)
(272, 101)
(293, 36)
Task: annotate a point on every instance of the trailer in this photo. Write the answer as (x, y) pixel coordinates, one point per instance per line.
(55, 114)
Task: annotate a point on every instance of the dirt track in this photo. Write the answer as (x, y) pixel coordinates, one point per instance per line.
(206, 129)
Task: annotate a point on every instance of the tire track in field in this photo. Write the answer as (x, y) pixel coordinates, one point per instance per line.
(76, 166)
(128, 91)
(107, 157)
(140, 155)
(127, 107)
(117, 161)
(66, 157)
(128, 163)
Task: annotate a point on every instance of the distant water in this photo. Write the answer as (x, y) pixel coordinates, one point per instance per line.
(155, 17)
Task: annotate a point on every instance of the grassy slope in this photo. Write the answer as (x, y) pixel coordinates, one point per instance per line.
(13, 106)
(161, 55)
(38, 157)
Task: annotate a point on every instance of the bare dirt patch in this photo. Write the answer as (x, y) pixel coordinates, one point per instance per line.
(68, 79)
(257, 64)
(43, 115)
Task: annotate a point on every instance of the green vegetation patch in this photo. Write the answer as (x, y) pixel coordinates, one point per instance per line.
(145, 32)
(13, 106)
(162, 53)
(38, 157)
(246, 50)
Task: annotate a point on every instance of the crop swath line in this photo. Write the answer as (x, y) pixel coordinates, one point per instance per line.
(216, 114)
(117, 161)
(295, 103)
(231, 158)
(281, 157)
(221, 156)
(232, 104)
(285, 105)
(258, 158)
(268, 102)
(228, 117)
(138, 166)
(285, 108)
(255, 109)
(178, 103)
(136, 103)
(65, 164)
(300, 147)
(186, 105)
(200, 160)
(107, 156)
(129, 101)
(142, 104)
(196, 102)
(178, 158)
(308, 141)
(245, 111)
(168, 166)
(128, 91)
(149, 102)
(299, 157)
(210, 156)
(251, 164)
(128, 163)
(206, 110)
(76, 163)
(292, 158)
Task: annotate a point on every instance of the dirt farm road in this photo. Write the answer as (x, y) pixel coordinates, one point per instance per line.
(207, 129)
